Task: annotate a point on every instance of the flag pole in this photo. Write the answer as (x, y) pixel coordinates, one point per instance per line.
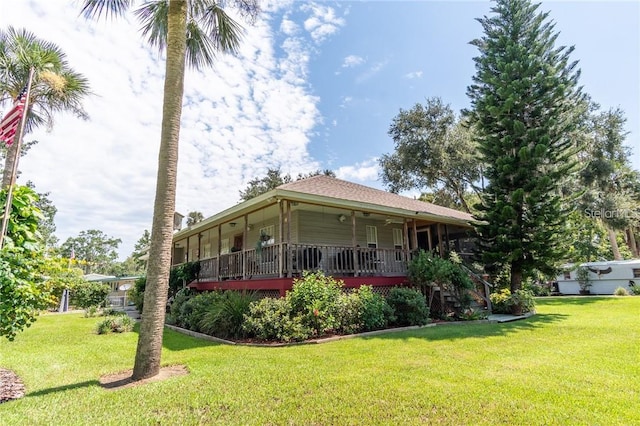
(14, 169)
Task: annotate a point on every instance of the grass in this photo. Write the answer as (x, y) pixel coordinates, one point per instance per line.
(576, 362)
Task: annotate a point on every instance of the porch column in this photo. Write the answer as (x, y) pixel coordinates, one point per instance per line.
(440, 245)
(245, 236)
(219, 248)
(281, 225)
(188, 257)
(429, 241)
(289, 252)
(414, 237)
(354, 243)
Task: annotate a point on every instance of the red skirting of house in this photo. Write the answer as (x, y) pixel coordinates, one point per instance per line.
(284, 284)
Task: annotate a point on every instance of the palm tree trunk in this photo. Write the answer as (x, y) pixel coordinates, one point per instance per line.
(147, 362)
(632, 242)
(614, 244)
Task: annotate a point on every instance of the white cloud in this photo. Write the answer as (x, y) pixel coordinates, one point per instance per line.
(323, 22)
(372, 71)
(250, 113)
(352, 61)
(413, 74)
(364, 172)
(346, 100)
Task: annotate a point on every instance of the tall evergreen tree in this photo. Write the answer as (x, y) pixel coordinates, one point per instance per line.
(522, 98)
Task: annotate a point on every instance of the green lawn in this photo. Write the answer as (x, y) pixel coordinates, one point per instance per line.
(576, 362)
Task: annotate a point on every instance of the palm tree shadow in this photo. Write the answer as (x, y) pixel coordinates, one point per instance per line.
(63, 388)
(176, 341)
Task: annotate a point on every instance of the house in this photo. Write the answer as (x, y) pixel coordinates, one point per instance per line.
(119, 287)
(358, 234)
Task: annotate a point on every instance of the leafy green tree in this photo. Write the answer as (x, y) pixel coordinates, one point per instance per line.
(94, 251)
(61, 275)
(56, 87)
(445, 198)
(189, 31)
(433, 150)
(609, 177)
(23, 290)
(523, 97)
(273, 179)
(47, 226)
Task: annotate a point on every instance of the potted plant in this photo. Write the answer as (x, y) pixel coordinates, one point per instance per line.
(584, 280)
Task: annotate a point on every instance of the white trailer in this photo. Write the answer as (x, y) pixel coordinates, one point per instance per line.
(605, 277)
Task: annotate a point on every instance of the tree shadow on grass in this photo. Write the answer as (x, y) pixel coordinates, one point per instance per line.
(63, 388)
(572, 300)
(176, 341)
(473, 330)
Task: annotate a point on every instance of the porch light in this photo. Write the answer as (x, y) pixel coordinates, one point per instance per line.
(232, 224)
(342, 218)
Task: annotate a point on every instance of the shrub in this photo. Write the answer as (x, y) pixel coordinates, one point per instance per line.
(136, 295)
(620, 291)
(272, 319)
(349, 313)
(91, 311)
(376, 312)
(635, 289)
(224, 317)
(113, 312)
(500, 301)
(314, 298)
(409, 306)
(117, 324)
(91, 293)
(193, 310)
(503, 302)
(522, 301)
(179, 299)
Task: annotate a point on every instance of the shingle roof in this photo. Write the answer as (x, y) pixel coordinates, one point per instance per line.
(326, 186)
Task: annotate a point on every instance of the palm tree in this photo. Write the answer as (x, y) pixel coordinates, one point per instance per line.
(194, 217)
(190, 31)
(55, 87)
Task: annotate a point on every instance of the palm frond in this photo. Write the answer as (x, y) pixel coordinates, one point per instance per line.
(153, 15)
(93, 9)
(222, 29)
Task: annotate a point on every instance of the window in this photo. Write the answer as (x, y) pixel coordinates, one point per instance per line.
(567, 275)
(372, 236)
(398, 243)
(636, 272)
(224, 246)
(207, 250)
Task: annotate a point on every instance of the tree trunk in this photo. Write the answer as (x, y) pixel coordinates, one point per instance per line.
(516, 277)
(614, 244)
(632, 242)
(148, 353)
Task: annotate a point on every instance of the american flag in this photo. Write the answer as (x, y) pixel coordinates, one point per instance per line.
(9, 124)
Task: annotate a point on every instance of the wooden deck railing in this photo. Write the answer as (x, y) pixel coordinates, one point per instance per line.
(289, 260)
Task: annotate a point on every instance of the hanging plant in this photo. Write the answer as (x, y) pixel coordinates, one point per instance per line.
(264, 237)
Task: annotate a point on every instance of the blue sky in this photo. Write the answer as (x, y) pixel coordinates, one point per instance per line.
(315, 86)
